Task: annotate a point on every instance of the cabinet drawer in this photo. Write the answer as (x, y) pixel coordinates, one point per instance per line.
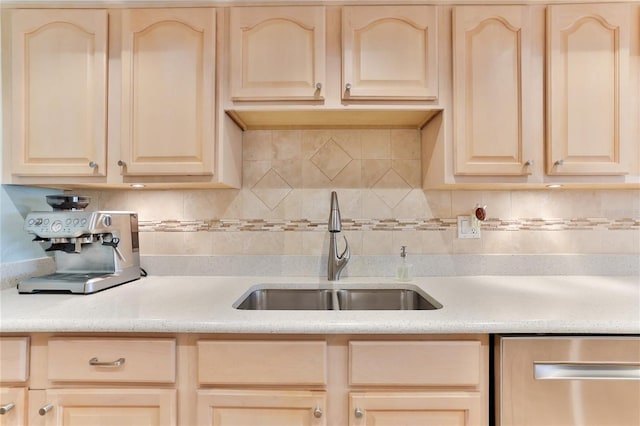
(14, 356)
(262, 362)
(112, 360)
(411, 363)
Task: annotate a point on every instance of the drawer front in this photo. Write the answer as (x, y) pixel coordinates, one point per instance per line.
(14, 359)
(112, 360)
(262, 362)
(411, 363)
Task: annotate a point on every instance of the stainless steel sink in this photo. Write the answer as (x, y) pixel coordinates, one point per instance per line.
(406, 297)
(287, 299)
(385, 299)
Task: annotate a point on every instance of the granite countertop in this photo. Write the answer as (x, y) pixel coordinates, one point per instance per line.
(201, 304)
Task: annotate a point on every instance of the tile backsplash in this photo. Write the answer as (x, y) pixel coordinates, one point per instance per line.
(283, 205)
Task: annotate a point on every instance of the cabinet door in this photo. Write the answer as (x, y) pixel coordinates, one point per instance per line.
(82, 407)
(58, 91)
(389, 52)
(261, 408)
(168, 64)
(13, 406)
(277, 53)
(492, 91)
(415, 408)
(588, 85)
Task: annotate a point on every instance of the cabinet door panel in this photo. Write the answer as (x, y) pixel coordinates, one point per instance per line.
(59, 80)
(415, 408)
(14, 353)
(277, 53)
(588, 83)
(284, 362)
(261, 408)
(389, 52)
(15, 416)
(492, 90)
(110, 407)
(168, 91)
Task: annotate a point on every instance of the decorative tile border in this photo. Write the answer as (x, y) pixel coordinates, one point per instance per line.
(436, 224)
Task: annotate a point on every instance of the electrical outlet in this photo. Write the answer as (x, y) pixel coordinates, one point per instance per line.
(468, 227)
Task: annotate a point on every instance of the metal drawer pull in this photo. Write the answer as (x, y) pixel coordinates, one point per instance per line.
(44, 410)
(6, 408)
(586, 371)
(317, 413)
(116, 363)
(359, 413)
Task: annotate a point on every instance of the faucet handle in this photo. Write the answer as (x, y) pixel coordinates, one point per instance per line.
(346, 254)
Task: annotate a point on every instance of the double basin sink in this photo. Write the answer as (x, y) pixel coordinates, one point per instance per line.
(406, 297)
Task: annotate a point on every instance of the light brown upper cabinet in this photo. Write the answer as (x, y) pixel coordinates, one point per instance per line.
(277, 53)
(389, 52)
(59, 92)
(493, 91)
(168, 91)
(152, 121)
(588, 115)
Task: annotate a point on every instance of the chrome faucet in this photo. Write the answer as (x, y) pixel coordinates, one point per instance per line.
(337, 262)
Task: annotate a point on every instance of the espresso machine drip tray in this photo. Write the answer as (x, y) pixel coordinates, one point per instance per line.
(71, 282)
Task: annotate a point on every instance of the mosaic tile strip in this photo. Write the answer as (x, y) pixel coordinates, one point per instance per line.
(436, 224)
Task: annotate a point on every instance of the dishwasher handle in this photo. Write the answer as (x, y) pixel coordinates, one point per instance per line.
(586, 371)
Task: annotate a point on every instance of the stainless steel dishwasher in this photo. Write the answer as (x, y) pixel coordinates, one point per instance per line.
(567, 380)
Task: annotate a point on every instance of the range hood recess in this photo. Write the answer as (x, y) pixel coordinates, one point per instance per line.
(262, 119)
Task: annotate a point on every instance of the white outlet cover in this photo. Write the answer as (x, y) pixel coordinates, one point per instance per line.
(466, 230)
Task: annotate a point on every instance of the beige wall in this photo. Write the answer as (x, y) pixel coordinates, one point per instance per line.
(284, 205)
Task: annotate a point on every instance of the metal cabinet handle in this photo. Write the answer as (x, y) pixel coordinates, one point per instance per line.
(347, 86)
(358, 413)
(44, 410)
(586, 371)
(93, 164)
(6, 408)
(559, 162)
(317, 413)
(529, 163)
(117, 363)
(121, 163)
(318, 86)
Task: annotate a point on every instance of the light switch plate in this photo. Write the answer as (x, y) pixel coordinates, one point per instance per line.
(468, 228)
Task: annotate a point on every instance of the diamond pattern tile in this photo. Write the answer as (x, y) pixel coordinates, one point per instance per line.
(271, 189)
(331, 159)
(391, 188)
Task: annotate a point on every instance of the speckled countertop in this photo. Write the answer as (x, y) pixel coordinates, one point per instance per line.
(199, 304)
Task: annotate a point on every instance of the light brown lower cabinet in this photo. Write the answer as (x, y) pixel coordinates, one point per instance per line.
(244, 380)
(340, 380)
(13, 406)
(261, 408)
(415, 408)
(102, 407)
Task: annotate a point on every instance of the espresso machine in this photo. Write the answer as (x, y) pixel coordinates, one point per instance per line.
(93, 250)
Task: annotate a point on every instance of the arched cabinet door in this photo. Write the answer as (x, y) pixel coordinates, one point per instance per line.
(588, 114)
(58, 92)
(389, 52)
(494, 86)
(277, 53)
(168, 92)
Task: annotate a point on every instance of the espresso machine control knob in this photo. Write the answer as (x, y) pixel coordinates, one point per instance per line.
(106, 220)
(56, 226)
